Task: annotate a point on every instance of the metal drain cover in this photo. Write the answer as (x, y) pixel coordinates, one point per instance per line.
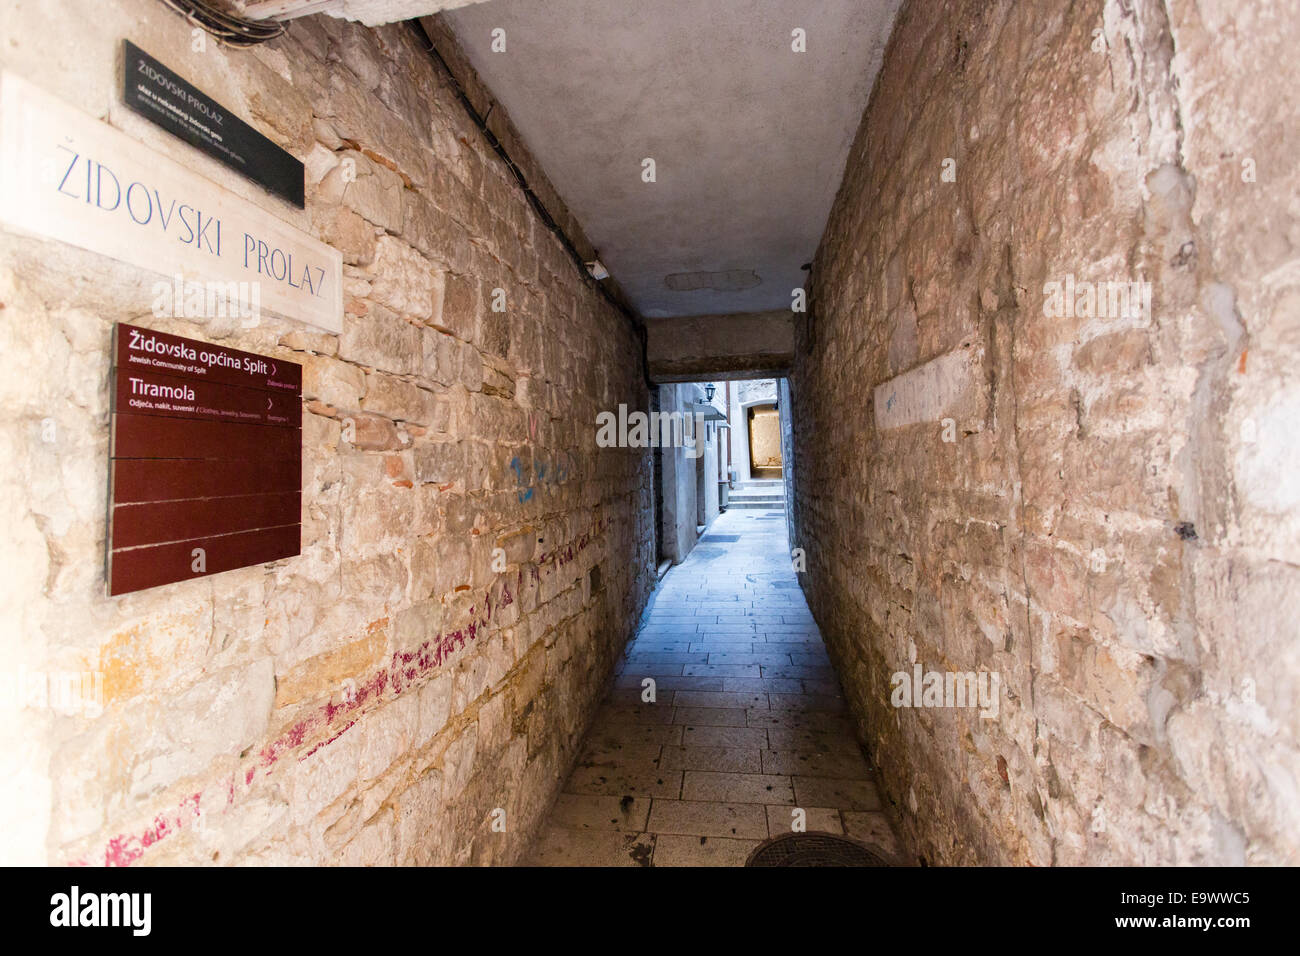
(814, 849)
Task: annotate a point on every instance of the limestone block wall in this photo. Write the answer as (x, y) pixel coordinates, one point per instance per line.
(996, 476)
(744, 395)
(690, 472)
(301, 712)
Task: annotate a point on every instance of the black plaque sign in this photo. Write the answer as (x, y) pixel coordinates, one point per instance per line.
(162, 97)
(206, 459)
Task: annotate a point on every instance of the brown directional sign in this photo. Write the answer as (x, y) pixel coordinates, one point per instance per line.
(205, 459)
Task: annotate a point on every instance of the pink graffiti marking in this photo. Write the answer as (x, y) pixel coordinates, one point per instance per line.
(403, 671)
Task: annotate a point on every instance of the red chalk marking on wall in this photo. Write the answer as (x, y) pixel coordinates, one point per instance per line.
(126, 849)
(326, 743)
(402, 672)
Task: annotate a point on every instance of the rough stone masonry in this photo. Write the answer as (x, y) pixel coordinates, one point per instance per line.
(1098, 504)
(1046, 426)
(401, 692)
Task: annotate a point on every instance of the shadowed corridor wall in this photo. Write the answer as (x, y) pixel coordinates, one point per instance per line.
(992, 477)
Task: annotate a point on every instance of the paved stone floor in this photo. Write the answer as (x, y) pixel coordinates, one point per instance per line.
(747, 724)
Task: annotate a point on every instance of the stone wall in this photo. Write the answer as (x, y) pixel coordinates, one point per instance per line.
(1101, 510)
(682, 468)
(756, 391)
(785, 404)
(299, 711)
(744, 395)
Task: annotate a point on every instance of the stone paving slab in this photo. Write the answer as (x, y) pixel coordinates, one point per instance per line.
(840, 763)
(801, 671)
(712, 716)
(633, 697)
(734, 759)
(794, 720)
(721, 670)
(808, 740)
(561, 846)
(708, 818)
(807, 702)
(750, 657)
(611, 735)
(748, 725)
(664, 647)
(677, 658)
(845, 794)
(671, 682)
(746, 737)
(761, 685)
(633, 714)
(640, 755)
(738, 787)
(769, 636)
(873, 828)
(588, 812)
(724, 647)
(626, 779)
(688, 698)
(678, 850)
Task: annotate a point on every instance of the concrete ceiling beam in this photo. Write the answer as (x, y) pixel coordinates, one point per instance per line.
(736, 346)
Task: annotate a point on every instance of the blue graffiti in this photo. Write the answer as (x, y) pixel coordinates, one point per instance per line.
(525, 492)
(544, 474)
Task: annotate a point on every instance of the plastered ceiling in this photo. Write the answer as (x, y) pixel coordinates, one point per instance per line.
(748, 137)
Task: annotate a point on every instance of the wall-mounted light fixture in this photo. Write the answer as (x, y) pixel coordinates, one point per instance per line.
(708, 391)
(597, 270)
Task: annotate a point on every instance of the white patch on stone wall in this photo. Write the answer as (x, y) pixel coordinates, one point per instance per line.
(948, 384)
(1267, 476)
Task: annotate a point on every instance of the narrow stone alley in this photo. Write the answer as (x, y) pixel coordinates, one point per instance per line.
(747, 725)
(491, 432)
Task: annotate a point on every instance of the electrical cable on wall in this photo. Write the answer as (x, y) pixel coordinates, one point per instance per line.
(226, 27)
